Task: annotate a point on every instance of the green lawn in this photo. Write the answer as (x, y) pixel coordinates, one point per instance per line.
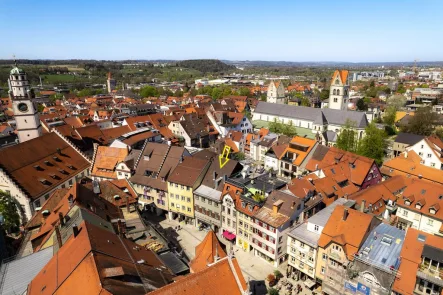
(300, 131)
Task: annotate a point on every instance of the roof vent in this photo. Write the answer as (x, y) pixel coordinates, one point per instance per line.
(141, 261)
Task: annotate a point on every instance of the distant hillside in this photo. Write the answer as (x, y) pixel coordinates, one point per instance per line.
(206, 65)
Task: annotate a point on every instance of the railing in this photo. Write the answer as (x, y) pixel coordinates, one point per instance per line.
(336, 255)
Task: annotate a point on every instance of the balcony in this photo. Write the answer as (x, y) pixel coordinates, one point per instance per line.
(430, 272)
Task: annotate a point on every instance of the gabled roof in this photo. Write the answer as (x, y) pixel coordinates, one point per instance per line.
(411, 258)
(105, 161)
(224, 277)
(349, 233)
(101, 262)
(408, 138)
(205, 252)
(343, 75)
(408, 164)
(188, 171)
(37, 164)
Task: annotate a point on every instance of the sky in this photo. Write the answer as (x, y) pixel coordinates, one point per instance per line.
(326, 30)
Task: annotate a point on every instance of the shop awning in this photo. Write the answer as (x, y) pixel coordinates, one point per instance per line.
(228, 235)
(309, 283)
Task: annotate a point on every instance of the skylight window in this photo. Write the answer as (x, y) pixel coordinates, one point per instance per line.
(366, 250)
(387, 241)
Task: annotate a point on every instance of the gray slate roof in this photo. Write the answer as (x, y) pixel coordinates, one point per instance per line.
(380, 253)
(408, 138)
(19, 273)
(336, 117)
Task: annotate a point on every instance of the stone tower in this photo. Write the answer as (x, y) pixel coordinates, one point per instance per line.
(339, 91)
(25, 110)
(276, 92)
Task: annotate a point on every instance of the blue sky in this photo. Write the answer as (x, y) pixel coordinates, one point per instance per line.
(340, 30)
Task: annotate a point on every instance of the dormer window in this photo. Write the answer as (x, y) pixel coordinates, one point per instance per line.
(243, 204)
(71, 167)
(44, 181)
(48, 163)
(57, 159)
(62, 171)
(38, 168)
(407, 202)
(432, 211)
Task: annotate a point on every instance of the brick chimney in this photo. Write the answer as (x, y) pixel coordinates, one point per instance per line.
(345, 214)
(59, 236)
(276, 206)
(61, 219)
(363, 205)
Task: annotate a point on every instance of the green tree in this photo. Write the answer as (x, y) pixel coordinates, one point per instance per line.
(401, 89)
(361, 105)
(85, 92)
(148, 91)
(439, 132)
(423, 122)
(289, 129)
(216, 93)
(398, 101)
(273, 291)
(372, 83)
(244, 91)
(263, 97)
(239, 156)
(324, 94)
(389, 116)
(276, 126)
(347, 138)
(9, 211)
(40, 108)
(305, 102)
(373, 144)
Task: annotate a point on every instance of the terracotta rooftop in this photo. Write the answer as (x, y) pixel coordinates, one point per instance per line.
(40, 165)
(408, 164)
(188, 171)
(100, 262)
(224, 277)
(105, 161)
(350, 233)
(205, 252)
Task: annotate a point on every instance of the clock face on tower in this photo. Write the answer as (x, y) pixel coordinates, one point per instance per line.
(23, 107)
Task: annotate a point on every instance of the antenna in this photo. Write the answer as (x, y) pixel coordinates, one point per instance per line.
(15, 60)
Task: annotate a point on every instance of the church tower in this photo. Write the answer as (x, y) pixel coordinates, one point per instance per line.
(339, 91)
(25, 110)
(276, 93)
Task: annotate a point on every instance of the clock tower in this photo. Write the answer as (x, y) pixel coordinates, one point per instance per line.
(25, 110)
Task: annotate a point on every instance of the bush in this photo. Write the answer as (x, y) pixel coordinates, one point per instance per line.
(272, 291)
(272, 280)
(278, 274)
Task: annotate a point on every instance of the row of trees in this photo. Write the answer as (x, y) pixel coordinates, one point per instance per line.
(280, 128)
(372, 145)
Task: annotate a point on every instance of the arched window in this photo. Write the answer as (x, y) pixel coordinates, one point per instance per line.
(346, 92)
(338, 91)
(334, 92)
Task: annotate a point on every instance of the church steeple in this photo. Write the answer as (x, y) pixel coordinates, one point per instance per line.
(25, 110)
(339, 91)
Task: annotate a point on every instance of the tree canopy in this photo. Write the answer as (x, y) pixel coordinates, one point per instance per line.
(9, 211)
(280, 128)
(373, 144)
(423, 122)
(361, 105)
(347, 138)
(206, 65)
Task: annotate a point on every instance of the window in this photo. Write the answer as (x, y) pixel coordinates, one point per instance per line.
(324, 256)
(429, 155)
(430, 222)
(183, 198)
(203, 200)
(188, 188)
(188, 200)
(177, 197)
(183, 208)
(177, 206)
(209, 202)
(335, 99)
(182, 187)
(405, 213)
(387, 241)
(323, 270)
(302, 245)
(316, 227)
(422, 146)
(332, 262)
(189, 209)
(432, 164)
(197, 198)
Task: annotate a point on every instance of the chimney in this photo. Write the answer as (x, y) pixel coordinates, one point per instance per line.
(345, 214)
(75, 231)
(362, 206)
(120, 228)
(59, 236)
(405, 153)
(60, 217)
(276, 206)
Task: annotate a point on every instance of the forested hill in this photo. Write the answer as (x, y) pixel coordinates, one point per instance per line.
(206, 65)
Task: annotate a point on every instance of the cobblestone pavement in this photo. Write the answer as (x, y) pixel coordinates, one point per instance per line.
(253, 268)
